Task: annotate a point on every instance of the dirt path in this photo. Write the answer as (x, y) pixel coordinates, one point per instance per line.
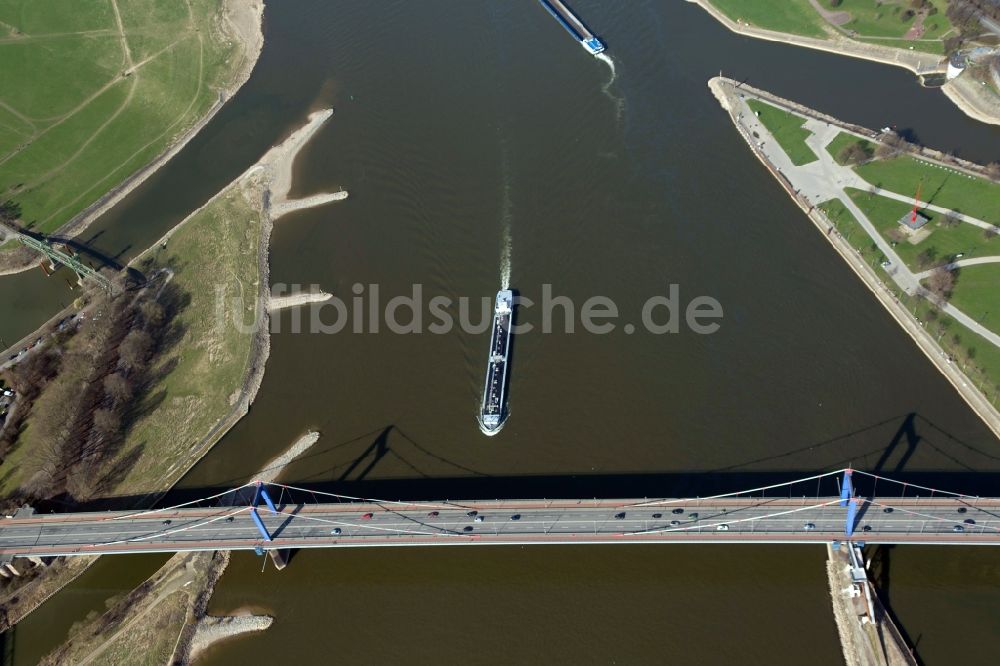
(121, 35)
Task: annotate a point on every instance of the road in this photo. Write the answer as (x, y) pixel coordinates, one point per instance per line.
(929, 520)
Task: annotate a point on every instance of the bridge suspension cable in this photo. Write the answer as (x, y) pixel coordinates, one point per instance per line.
(815, 477)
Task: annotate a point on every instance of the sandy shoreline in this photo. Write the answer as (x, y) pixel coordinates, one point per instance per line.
(245, 19)
(212, 629)
(924, 341)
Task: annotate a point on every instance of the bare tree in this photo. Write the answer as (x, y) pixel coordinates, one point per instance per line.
(136, 349)
(118, 388)
(107, 423)
(993, 170)
(941, 283)
(951, 219)
(926, 258)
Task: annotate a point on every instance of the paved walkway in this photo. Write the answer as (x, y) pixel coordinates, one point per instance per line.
(825, 179)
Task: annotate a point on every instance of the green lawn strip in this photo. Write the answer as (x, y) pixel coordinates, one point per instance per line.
(165, 102)
(35, 17)
(152, 25)
(51, 150)
(214, 250)
(885, 19)
(793, 16)
(55, 176)
(48, 78)
(976, 356)
(787, 130)
(843, 140)
(977, 294)
(852, 232)
(940, 186)
(943, 242)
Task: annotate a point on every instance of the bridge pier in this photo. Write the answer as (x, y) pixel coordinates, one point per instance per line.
(280, 557)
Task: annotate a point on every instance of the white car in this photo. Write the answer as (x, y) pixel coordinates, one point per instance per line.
(722, 528)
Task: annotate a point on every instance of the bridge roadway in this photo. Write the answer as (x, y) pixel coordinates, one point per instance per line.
(730, 520)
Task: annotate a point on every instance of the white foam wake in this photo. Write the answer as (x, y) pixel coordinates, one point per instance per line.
(606, 88)
(505, 220)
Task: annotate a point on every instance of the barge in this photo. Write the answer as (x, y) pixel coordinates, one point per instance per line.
(573, 25)
(494, 411)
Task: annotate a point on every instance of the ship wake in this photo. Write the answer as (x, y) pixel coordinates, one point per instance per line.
(606, 88)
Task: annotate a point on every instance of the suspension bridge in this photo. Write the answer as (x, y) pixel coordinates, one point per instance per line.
(843, 505)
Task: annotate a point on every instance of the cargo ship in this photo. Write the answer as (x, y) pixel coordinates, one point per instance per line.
(494, 411)
(573, 25)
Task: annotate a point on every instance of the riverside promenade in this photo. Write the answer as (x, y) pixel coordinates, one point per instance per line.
(823, 180)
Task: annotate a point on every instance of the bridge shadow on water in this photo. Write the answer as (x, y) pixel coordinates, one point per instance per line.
(890, 458)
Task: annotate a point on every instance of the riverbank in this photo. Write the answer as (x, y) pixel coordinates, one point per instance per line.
(865, 642)
(242, 24)
(920, 63)
(221, 320)
(724, 91)
(212, 630)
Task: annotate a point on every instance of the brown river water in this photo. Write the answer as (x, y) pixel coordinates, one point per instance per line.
(469, 132)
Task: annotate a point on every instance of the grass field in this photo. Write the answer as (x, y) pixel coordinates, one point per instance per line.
(215, 250)
(944, 242)
(978, 357)
(794, 16)
(976, 294)
(940, 186)
(843, 140)
(84, 105)
(885, 18)
(853, 233)
(787, 130)
(870, 21)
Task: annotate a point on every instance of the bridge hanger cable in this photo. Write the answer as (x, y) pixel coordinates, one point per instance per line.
(176, 530)
(739, 492)
(184, 504)
(436, 505)
(914, 485)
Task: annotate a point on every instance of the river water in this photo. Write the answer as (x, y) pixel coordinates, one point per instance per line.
(477, 141)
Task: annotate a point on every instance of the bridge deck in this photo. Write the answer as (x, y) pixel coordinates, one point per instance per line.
(731, 520)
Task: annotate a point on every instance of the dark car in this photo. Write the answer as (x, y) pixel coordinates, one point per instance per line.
(677, 511)
(657, 515)
(620, 516)
(472, 514)
(516, 516)
(433, 514)
(467, 528)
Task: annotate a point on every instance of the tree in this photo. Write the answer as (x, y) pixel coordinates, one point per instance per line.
(941, 283)
(993, 170)
(951, 219)
(854, 153)
(136, 349)
(107, 423)
(153, 314)
(9, 211)
(118, 388)
(990, 232)
(926, 258)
